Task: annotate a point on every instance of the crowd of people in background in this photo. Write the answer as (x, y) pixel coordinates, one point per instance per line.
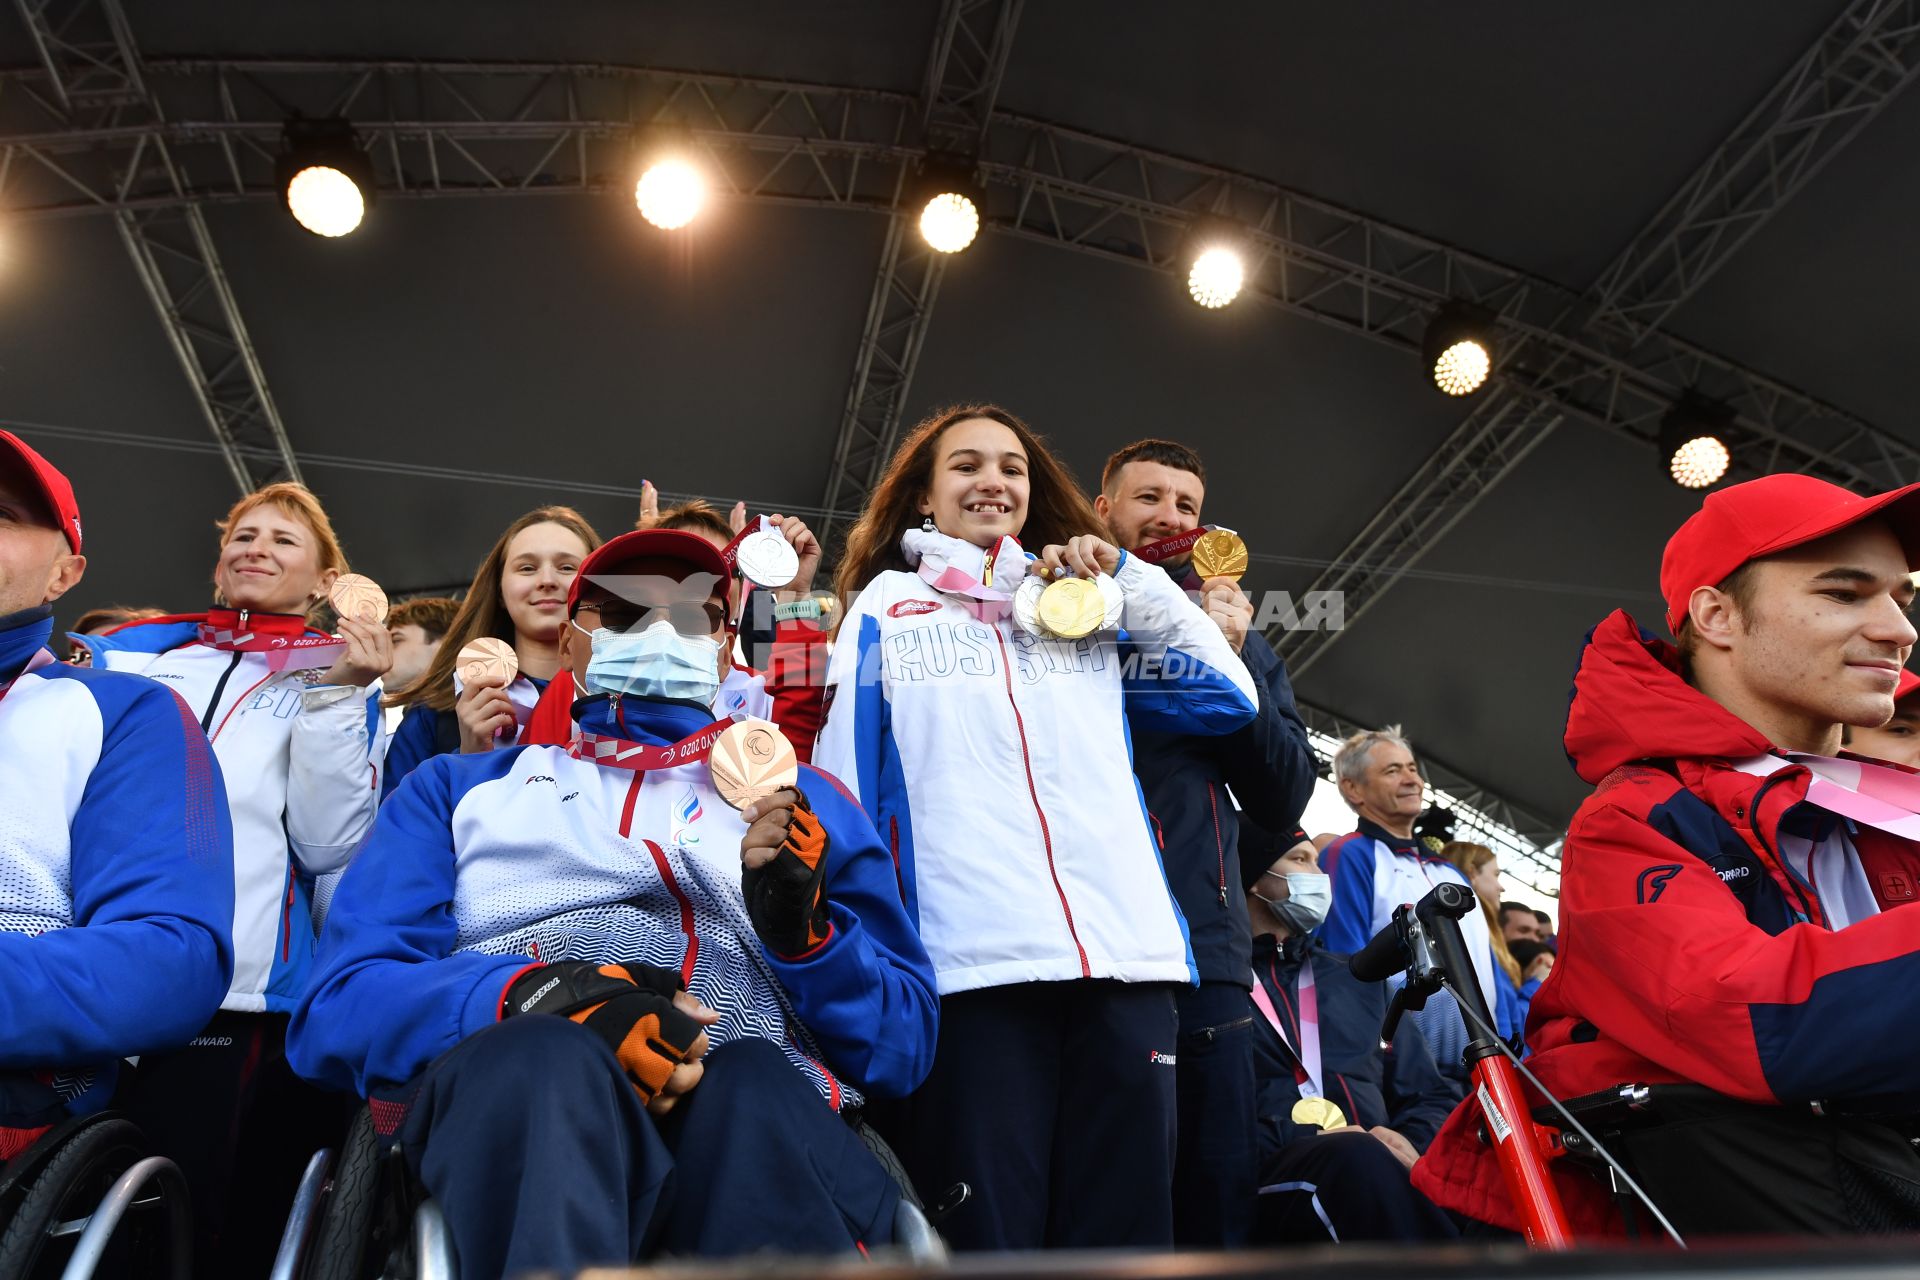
(1021, 887)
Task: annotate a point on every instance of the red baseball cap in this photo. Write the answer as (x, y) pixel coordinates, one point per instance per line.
(1908, 683)
(1743, 522)
(671, 545)
(54, 488)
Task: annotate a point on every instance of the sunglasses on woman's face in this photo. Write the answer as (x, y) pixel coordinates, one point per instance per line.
(688, 617)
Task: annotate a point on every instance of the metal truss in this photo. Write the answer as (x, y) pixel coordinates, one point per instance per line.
(93, 78)
(1854, 70)
(962, 83)
(474, 129)
(1869, 53)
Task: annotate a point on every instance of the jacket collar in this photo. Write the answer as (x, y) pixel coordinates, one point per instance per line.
(641, 719)
(22, 635)
(1399, 844)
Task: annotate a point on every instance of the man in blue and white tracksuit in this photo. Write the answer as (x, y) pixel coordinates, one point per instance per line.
(116, 855)
(606, 1014)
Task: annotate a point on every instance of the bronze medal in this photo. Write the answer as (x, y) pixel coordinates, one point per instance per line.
(356, 596)
(1220, 554)
(487, 661)
(751, 760)
(1072, 608)
(1319, 1113)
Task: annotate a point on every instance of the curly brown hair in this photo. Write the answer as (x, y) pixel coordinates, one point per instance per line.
(1056, 508)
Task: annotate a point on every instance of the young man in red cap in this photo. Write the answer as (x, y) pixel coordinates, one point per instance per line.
(1898, 739)
(1736, 903)
(116, 853)
(606, 1014)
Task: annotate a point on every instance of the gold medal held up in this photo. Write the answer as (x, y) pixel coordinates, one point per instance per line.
(751, 760)
(1220, 554)
(1319, 1113)
(1072, 608)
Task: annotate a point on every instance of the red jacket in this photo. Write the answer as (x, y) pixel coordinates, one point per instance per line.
(1688, 951)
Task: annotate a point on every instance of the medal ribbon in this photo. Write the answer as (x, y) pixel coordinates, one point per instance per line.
(1875, 795)
(285, 640)
(731, 552)
(643, 756)
(1305, 1041)
(1005, 561)
(1167, 548)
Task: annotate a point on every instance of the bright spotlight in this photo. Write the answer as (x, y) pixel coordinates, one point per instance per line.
(949, 222)
(326, 180)
(1459, 348)
(670, 194)
(325, 201)
(1216, 276)
(1693, 443)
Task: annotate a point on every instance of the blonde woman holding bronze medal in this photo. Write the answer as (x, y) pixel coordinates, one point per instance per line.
(983, 724)
(293, 716)
(518, 597)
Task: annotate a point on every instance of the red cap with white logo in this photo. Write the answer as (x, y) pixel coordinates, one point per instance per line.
(53, 487)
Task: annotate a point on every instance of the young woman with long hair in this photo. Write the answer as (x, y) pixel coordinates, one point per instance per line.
(293, 715)
(519, 595)
(994, 761)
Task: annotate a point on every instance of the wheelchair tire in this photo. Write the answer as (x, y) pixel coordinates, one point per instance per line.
(71, 1184)
(888, 1161)
(343, 1238)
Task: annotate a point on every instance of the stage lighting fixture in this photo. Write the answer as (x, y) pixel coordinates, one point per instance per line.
(670, 193)
(1693, 442)
(1216, 276)
(1459, 348)
(949, 196)
(324, 176)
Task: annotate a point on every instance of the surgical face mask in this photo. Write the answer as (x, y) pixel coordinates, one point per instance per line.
(657, 662)
(1309, 896)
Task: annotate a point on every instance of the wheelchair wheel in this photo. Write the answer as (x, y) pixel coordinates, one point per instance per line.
(342, 1240)
(877, 1145)
(68, 1187)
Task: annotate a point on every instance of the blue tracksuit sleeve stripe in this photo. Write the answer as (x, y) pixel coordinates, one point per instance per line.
(1349, 925)
(1181, 675)
(151, 846)
(388, 995)
(867, 994)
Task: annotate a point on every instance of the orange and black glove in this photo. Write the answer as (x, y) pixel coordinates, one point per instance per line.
(786, 897)
(628, 1006)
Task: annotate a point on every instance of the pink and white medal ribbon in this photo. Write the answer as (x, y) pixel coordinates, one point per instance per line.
(985, 576)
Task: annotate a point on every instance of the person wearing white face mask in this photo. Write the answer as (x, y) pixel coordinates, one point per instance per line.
(1340, 1122)
(719, 987)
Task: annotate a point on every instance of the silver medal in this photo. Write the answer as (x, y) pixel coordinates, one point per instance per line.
(1026, 605)
(767, 559)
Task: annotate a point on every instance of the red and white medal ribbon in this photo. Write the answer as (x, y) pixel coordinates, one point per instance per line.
(289, 646)
(642, 756)
(1169, 548)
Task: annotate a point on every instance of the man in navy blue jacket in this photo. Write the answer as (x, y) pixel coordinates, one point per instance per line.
(1341, 1121)
(116, 853)
(1150, 491)
(607, 1015)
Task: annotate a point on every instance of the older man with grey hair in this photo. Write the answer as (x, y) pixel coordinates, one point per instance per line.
(1381, 865)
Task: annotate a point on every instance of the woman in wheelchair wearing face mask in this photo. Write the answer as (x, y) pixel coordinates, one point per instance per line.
(1340, 1121)
(597, 995)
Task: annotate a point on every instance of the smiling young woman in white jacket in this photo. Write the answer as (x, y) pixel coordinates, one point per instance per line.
(293, 716)
(996, 765)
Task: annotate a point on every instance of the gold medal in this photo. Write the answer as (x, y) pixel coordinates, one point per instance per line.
(751, 760)
(1072, 608)
(1319, 1113)
(487, 661)
(1220, 554)
(356, 596)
